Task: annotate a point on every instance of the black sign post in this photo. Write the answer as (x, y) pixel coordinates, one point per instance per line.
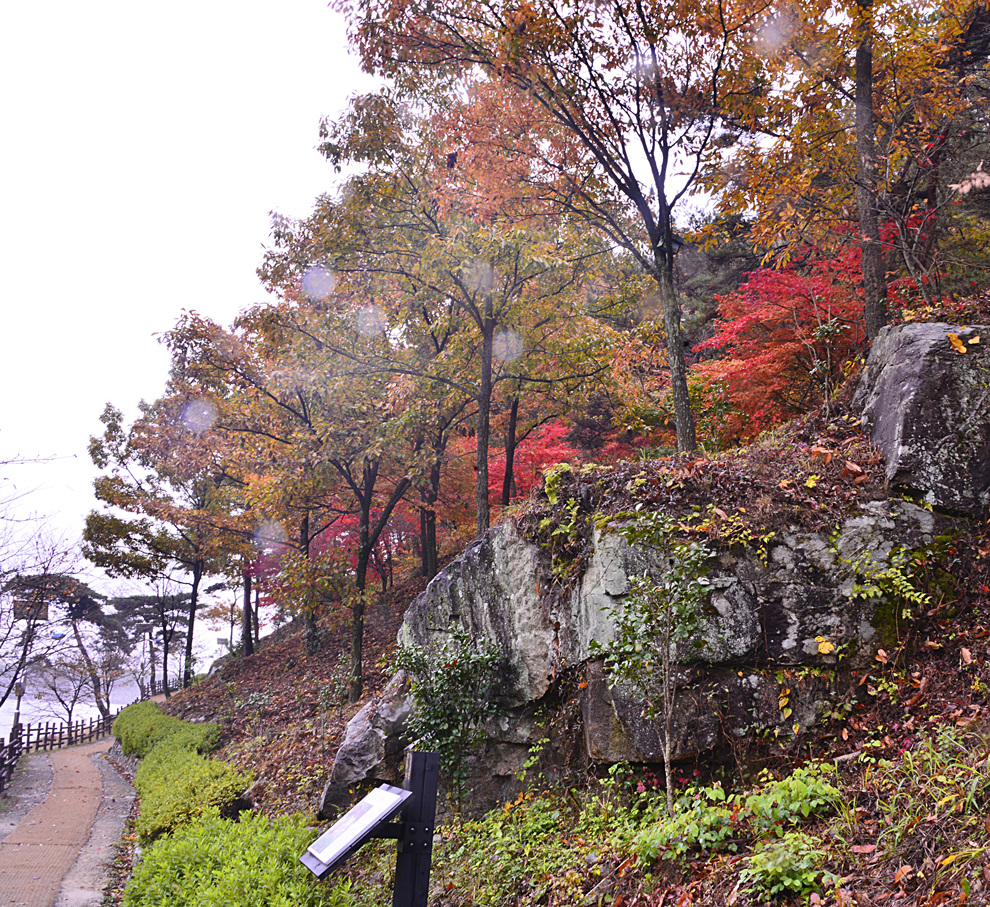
(415, 851)
(417, 798)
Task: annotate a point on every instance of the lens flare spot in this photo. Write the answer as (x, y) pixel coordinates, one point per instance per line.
(370, 321)
(318, 283)
(776, 34)
(198, 416)
(507, 346)
(270, 536)
(479, 275)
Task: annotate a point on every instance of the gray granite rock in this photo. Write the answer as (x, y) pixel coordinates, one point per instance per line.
(765, 613)
(927, 406)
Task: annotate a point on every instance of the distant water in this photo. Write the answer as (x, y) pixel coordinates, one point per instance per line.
(34, 710)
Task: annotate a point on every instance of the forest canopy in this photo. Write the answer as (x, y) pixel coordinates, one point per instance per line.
(572, 233)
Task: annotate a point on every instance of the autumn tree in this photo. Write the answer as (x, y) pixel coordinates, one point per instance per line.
(862, 105)
(325, 440)
(161, 471)
(782, 339)
(630, 108)
(468, 300)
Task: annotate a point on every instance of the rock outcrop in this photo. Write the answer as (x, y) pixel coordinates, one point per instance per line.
(777, 618)
(767, 614)
(925, 399)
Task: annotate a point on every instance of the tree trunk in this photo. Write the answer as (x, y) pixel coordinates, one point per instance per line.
(257, 615)
(360, 582)
(428, 536)
(247, 641)
(683, 418)
(508, 483)
(94, 678)
(151, 659)
(309, 609)
(428, 523)
(874, 270)
(484, 419)
(198, 567)
(367, 539)
(166, 639)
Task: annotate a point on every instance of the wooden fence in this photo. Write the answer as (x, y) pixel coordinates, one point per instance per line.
(51, 735)
(9, 754)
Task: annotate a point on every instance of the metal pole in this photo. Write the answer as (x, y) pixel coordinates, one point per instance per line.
(15, 731)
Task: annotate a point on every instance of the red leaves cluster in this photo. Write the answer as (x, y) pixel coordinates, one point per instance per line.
(782, 339)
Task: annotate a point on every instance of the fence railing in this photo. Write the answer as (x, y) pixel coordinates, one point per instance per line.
(51, 735)
(9, 754)
(54, 735)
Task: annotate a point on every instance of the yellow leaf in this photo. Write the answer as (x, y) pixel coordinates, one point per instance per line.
(812, 481)
(957, 344)
(973, 340)
(824, 646)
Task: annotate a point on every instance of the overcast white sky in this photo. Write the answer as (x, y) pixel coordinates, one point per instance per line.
(143, 144)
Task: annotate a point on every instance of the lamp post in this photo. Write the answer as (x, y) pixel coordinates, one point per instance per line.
(15, 731)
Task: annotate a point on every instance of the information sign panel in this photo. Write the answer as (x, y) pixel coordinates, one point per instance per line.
(354, 828)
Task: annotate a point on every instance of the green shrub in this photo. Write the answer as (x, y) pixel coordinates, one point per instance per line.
(710, 820)
(790, 865)
(453, 686)
(177, 785)
(805, 792)
(175, 781)
(216, 863)
(142, 725)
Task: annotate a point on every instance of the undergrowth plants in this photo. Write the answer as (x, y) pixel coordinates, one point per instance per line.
(938, 790)
(548, 848)
(790, 865)
(453, 689)
(710, 820)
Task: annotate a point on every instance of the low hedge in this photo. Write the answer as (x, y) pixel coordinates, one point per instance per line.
(175, 780)
(250, 863)
(141, 726)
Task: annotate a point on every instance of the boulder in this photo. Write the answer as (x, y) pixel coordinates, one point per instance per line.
(766, 615)
(372, 749)
(925, 400)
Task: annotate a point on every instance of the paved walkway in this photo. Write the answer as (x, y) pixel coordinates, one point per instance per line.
(56, 853)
